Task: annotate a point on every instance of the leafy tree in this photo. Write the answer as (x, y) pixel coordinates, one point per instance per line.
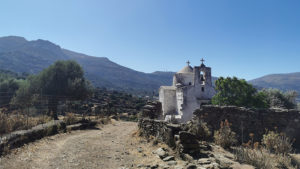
(9, 84)
(8, 87)
(234, 91)
(24, 96)
(279, 99)
(260, 100)
(64, 80)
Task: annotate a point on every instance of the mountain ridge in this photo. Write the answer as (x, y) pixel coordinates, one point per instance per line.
(20, 55)
(282, 81)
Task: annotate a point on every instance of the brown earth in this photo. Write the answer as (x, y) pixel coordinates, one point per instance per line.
(113, 146)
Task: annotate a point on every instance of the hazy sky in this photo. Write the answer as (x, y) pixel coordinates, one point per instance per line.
(243, 38)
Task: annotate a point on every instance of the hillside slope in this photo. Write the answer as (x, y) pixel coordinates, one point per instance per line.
(288, 81)
(19, 55)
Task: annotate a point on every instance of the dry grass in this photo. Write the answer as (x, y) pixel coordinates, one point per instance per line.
(261, 158)
(105, 120)
(70, 118)
(13, 122)
(257, 158)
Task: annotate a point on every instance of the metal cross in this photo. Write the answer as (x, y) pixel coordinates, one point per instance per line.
(202, 60)
(188, 62)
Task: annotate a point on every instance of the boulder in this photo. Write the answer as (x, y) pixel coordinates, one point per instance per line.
(204, 161)
(191, 166)
(161, 153)
(169, 158)
(172, 163)
(188, 138)
(295, 159)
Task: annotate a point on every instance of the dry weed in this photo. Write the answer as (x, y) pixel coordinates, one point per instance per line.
(257, 158)
(277, 143)
(70, 118)
(12, 122)
(263, 159)
(224, 136)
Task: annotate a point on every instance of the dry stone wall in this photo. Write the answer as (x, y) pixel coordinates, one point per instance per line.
(186, 144)
(152, 110)
(245, 121)
(21, 137)
(163, 131)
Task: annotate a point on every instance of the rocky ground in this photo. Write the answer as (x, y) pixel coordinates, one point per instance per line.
(114, 146)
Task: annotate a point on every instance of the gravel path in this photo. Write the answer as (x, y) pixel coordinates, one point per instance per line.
(112, 146)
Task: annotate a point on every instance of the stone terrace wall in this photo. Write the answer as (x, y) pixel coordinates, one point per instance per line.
(18, 138)
(245, 121)
(175, 136)
(162, 130)
(21, 137)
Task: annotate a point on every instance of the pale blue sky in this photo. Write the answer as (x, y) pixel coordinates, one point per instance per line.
(244, 38)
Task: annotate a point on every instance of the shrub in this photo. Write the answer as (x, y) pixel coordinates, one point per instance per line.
(70, 118)
(284, 162)
(51, 130)
(224, 136)
(277, 143)
(199, 128)
(279, 99)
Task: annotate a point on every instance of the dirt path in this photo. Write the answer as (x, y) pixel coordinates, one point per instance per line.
(112, 146)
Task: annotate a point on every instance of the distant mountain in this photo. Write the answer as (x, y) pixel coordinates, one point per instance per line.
(19, 55)
(288, 81)
(22, 56)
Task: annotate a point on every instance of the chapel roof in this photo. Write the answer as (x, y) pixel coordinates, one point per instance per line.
(186, 69)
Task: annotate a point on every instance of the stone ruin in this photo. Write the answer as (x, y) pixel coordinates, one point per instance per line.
(243, 122)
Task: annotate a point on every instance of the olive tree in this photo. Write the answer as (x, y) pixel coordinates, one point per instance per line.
(64, 80)
(234, 91)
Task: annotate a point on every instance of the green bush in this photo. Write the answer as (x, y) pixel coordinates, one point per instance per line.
(234, 91)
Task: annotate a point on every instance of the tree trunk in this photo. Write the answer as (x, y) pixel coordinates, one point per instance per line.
(52, 107)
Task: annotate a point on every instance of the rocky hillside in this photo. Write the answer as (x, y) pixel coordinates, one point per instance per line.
(19, 55)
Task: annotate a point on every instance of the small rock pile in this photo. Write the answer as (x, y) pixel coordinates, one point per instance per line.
(164, 156)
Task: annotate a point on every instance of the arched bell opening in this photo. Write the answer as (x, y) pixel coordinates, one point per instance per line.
(202, 77)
